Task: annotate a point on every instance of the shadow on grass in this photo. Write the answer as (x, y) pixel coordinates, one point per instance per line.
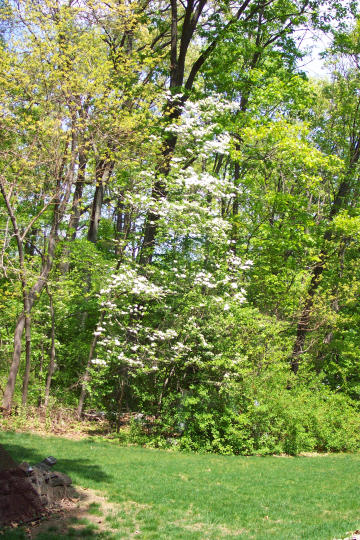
(76, 522)
(81, 467)
(66, 529)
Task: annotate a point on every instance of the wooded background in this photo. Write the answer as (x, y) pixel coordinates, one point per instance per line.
(179, 219)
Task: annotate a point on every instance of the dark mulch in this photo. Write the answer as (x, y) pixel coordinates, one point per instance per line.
(19, 501)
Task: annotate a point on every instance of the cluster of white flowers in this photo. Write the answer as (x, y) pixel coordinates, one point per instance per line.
(99, 330)
(205, 279)
(172, 97)
(194, 217)
(134, 363)
(99, 362)
(154, 138)
(189, 127)
(128, 280)
(139, 200)
(205, 108)
(204, 343)
(219, 227)
(219, 144)
(180, 348)
(177, 161)
(163, 336)
(237, 263)
(109, 305)
(205, 182)
(197, 123)
(240, 297)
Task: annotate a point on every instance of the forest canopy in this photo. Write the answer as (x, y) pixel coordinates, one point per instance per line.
(179, 219)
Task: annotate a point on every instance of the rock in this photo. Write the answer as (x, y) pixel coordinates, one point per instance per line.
(27, 492)
(51, 486)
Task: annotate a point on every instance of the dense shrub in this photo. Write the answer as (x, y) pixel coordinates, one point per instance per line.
(265, 416)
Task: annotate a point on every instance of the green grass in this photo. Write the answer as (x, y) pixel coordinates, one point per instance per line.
(164, 495)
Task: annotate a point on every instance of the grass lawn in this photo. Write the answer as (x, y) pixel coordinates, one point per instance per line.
(165, 495)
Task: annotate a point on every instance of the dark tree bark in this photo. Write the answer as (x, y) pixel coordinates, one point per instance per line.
(86, 376)
(51, 368)
(20, 325)
(78, 193)
(26, 378)
(102, 173)
(123, 226)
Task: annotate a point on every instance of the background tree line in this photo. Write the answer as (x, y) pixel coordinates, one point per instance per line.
(179, 219)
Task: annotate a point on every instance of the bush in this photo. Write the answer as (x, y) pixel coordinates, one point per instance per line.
(263, 416)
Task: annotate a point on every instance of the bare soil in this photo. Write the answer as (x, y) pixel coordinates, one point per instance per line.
(73, 514)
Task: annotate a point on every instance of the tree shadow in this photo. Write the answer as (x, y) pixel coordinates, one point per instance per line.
(67, 520)
(81, 467)
(75, 522)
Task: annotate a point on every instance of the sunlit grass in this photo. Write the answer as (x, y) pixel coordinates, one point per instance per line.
(165, 495)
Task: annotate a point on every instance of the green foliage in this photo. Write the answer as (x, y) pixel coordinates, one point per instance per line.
(183, 231)
(268, 415)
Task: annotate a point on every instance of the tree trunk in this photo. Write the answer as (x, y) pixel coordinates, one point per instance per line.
(96, 213)
(122, 227)
(303, 326)
(10, 386)
(75, 212)
(86, 376)
(103, 171)
(78, 193)
(172, 111)
(120, 400)
(25, 387)
(52, 354)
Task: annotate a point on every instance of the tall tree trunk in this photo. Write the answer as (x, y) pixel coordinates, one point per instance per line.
(158, 192)
(234, 236)
(26, 378)
(86, 376)
(96, 213)
(78, 193)
(51, 368)
(122, 228)
(120, 399)
(14, 367)
(303, 326)
(102, 173)
(178, 53)
(20, 325)
(75, 212)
